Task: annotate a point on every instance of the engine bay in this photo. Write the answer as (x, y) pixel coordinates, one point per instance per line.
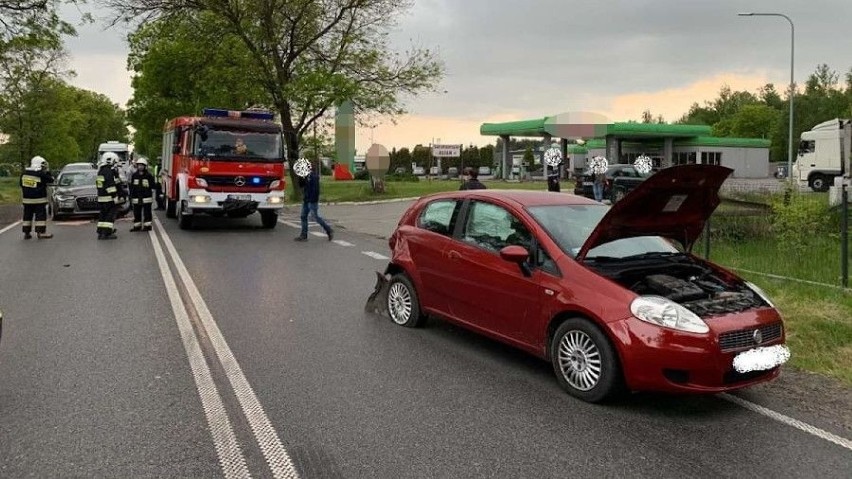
(684, 280)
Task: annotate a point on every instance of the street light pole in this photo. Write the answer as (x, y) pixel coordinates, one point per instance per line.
(791, 91)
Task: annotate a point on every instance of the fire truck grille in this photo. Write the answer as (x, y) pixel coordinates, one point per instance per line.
(247, 181)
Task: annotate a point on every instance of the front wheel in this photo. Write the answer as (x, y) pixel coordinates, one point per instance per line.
(403, 303)
(184, 220)
(269, 219)
(585, 363)
(819, 183)
(170, 208)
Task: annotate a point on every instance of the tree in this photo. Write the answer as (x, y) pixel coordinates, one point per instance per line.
(29, 64)
(529, 157)
(310, 55)
(181, 65)
(647, 117)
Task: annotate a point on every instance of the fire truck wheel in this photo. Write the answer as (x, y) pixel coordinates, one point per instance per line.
(170, 208)
(269, 219)
(184, 221)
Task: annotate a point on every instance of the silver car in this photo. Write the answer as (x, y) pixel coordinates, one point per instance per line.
(75, 194)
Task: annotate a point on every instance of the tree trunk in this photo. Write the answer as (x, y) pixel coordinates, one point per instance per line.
(291, 140)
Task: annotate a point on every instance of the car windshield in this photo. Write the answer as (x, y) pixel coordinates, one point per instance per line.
(77, 178)
(571, 225)
(233, 144)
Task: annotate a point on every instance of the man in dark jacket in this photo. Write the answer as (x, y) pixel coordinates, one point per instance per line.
(472, 183)
(310, 185)
(141, 195)
(34, 183)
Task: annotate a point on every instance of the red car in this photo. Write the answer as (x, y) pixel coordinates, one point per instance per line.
(611, 296)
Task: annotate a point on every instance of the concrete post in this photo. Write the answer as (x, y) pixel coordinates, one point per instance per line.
(563, 143)
(611, 149)
(504, 165)
(668, 152)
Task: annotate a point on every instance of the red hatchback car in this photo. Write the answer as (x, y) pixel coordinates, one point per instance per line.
(611, 296)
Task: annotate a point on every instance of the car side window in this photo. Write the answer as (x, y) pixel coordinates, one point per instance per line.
(492, 227)
(439, 217)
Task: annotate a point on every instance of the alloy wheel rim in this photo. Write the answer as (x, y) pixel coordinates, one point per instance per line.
(579, 360)
(399, 303)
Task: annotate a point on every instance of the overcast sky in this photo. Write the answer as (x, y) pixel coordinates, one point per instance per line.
(515, 59)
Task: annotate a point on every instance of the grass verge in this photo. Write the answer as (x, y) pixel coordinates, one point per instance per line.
(340, 191)
(818, 322)
(10, 190)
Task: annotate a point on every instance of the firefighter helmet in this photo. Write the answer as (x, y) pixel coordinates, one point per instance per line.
(108, 158)
(38, 163)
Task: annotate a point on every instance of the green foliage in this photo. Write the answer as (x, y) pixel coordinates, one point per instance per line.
(529, 157)
(362, 175)
(402, 177)
(796, 218)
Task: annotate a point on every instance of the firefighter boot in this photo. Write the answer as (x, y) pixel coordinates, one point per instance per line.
(28, 236)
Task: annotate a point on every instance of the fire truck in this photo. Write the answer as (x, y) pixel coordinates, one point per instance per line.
(224, 163)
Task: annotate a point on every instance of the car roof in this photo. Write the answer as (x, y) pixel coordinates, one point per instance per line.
(520, 198)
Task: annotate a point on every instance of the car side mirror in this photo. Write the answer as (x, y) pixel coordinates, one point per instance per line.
(518, 255)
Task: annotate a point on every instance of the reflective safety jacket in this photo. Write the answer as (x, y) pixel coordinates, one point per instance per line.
(107, 183)
(34, 186)
(142, 187)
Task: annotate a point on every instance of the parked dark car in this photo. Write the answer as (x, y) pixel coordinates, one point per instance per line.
(620, 180)
(612, 296)
(75, 194)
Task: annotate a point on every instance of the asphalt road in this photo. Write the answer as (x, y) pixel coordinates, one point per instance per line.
(102, 373)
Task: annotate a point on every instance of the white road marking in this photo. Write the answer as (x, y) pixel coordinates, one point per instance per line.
(842, 442)
(373, 254)
(317, 233)
(273, 450)
(16, 223)
(231, 458)
(343, 243)
(290, 223)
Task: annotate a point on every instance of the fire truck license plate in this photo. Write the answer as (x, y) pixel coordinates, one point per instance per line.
(240, 197)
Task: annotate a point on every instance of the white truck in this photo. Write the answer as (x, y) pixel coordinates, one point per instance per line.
(818, 163)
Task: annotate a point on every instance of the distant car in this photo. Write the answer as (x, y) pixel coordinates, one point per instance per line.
(76, 167)
(612, 296)
(419, 171)
(75, 194)
(452, 172)
(484, 171)
(400, 170)
(620, 180)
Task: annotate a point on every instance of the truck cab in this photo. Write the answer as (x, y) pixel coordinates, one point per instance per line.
(818, 161)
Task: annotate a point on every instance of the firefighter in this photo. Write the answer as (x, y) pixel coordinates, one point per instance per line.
(158, 187)
(34, 183)
(141, 195)
(107, 183)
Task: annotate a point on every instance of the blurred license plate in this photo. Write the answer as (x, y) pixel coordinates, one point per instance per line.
(588, 183)
(761, 359)
(240, 197)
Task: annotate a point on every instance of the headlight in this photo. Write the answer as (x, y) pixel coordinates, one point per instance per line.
(64, 198)
(274, 184)
(201, 182)
(275, 199)
(201, 199)
(666, 313)
(760, 293)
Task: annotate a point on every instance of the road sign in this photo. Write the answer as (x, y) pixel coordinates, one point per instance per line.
(446, 151)
(378, 160)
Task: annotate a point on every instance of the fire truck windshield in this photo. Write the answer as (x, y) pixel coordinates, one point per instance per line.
(233, 145)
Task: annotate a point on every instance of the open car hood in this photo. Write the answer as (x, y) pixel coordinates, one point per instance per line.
(674, 203)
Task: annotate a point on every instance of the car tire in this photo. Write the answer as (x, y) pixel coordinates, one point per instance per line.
(269, 219)
(184, 221)
(584, 361)
(403, 303)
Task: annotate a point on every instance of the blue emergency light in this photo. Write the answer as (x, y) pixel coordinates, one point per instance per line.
(256, 180)
(223, 113)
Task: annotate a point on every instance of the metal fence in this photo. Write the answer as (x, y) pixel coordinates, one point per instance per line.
(790, 234)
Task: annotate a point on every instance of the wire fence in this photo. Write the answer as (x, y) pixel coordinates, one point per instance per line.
(790, 234)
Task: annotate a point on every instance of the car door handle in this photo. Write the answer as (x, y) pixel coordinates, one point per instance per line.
(454, 255)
